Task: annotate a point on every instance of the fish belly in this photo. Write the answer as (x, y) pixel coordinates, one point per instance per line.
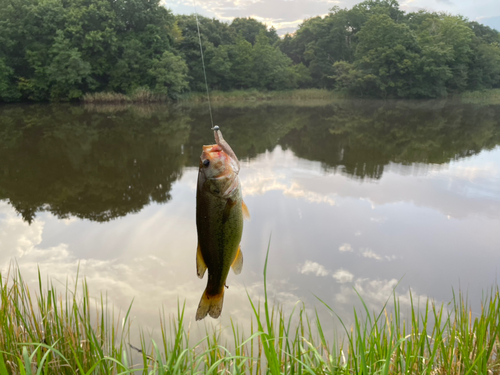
(219, 224)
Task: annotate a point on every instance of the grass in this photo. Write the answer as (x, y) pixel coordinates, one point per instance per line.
(48, 333)
(141, 95)
(144, 95)
(256, 95)
(491, 96)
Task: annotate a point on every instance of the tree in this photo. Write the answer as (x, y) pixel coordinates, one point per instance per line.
(454, 32)
(169, 74)
(213, 34)
(249, 29)
(220, 68)
(8, 91)
(271, 66)
(484, 68)
(386, 57)
(67, 71)
(59, 50)
(242, 64)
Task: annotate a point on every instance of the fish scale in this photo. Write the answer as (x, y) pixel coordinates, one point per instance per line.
(219, 222)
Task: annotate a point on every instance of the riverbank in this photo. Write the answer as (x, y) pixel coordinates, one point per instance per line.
(140, 96)
(144, 96)
(256, 95)
(69, 333)
(477, 97)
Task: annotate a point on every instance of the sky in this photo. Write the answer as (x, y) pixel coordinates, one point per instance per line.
(287, 15)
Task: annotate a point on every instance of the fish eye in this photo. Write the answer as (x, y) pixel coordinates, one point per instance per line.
(206, 162)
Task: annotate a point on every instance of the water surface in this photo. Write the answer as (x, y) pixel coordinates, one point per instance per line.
(357, 195)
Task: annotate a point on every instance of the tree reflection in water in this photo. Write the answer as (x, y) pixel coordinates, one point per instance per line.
(100, 163)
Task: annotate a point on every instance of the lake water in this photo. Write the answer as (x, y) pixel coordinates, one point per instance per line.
(352, 195)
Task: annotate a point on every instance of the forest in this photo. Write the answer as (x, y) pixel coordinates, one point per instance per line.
(60, 50)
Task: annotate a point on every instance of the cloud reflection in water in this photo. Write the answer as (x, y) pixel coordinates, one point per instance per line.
(149, 256)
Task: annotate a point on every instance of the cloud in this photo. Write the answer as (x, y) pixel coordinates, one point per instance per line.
(376, 292)
(378, 220)
(263, 176)
(314, 268)
(493, 22)
(369, 253)
(287, 15)
(343, 276)
(346, 248)
(261, 184)
(284, 15)
(153, 280)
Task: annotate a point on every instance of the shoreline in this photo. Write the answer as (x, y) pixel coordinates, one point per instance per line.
(491, 96)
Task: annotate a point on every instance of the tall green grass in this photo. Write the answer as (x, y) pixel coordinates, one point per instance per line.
(257, 95)
(491, 96)
(69, 333)
(142, 95)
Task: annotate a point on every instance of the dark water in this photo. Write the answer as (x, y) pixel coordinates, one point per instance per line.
(361, 194)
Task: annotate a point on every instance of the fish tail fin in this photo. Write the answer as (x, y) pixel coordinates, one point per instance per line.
(210, 305)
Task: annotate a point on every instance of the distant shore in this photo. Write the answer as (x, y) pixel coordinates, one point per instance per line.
(491, 96)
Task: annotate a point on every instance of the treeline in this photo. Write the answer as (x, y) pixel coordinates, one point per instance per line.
(63, 49)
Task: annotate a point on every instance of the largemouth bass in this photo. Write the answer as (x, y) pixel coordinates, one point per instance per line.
(219, 221)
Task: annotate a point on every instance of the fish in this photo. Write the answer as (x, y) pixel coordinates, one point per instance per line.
(220, 211)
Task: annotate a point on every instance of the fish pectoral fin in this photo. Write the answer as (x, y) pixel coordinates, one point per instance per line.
(246, 214)
(237, 265)
(201, 267)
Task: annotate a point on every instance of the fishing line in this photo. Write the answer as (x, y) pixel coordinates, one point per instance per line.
(203, 63)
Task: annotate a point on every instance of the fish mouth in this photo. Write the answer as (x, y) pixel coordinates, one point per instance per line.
(213, 152)
(219, 161)
(211, 148)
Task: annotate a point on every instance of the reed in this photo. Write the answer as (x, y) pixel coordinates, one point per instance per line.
(491, 96)
(253, 95)
(141, 95)
(50, 333)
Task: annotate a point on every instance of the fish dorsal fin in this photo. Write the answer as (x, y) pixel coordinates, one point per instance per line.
(201, 267)
(246, 213)
(237, 265)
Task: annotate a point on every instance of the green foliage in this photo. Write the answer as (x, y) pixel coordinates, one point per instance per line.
(386, 56)
(169, 74)
(60, 50)
(242, 62)
(421, 55)
(215, 35)
(67, 71)
(8, 91)
(249, 29)
(271, 67)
